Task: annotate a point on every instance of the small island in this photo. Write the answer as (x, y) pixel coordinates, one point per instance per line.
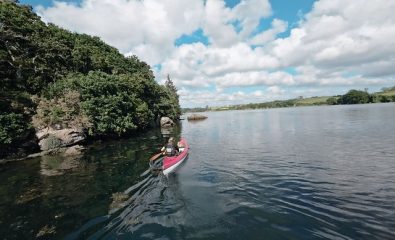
(196, 117)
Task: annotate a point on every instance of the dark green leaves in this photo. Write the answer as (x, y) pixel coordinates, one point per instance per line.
(355, 97)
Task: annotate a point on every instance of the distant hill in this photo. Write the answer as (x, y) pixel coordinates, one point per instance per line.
(386, 95)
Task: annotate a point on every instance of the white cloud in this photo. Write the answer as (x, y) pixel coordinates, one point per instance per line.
(254, 78)
(338, 33)
(203, 98)
(216, 26)
(338, 43)
(218, 20)
(278, 26)
(249, 13)
(275, 90)
(238, 58)
(197, 64)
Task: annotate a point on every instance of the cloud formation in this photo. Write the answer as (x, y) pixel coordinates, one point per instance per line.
(337, 44)
(145, 28)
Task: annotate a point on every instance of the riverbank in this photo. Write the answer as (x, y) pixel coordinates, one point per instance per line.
(352, 97)
(77, 148)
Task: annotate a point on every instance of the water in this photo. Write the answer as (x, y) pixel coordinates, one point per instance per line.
(293, 173)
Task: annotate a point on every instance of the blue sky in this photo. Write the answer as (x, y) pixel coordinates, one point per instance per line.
(231, 52)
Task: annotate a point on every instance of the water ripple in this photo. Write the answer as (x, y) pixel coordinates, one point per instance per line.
(284, 174)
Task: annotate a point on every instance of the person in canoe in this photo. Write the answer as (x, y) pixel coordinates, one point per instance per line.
(170, 149)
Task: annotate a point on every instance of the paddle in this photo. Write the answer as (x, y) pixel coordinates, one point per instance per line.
(155, 156)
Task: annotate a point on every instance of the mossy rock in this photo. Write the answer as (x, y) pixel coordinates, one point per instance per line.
(51, 142)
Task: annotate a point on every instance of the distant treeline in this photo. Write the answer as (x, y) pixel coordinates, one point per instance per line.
(53, 77)
(359, 97)
(185, 110)
(351, 97)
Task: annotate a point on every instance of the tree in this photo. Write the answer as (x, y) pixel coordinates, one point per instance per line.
(173, 98)
(170, 85)
(331, 101)
(355, 97)
(383, 99)
(114, 104)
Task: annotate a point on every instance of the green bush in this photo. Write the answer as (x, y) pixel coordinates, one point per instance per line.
(384, 99)
(331, 101)
(12, 127)
(116, 104)
(15, 129)
(64, 110)
(355, 97)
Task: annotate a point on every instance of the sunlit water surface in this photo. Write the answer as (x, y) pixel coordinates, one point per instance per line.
(292, 173)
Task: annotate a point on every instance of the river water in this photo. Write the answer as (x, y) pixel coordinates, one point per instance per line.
(295, 173)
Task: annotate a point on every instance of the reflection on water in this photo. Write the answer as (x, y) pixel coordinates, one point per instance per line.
(166, 132)
(146, 206)
(56, 165)
(296, 173)
(61, 194)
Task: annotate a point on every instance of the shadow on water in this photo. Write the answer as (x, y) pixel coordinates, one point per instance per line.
(52, 196)
(148, 205)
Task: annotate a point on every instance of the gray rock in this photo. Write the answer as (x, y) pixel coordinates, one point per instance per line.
(195, 117)
(166, 122)
(50, 138)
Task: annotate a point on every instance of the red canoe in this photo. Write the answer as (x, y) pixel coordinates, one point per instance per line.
(170, 164)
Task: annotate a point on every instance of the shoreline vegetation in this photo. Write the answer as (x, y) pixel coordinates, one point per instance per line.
(60, 88)
(351, 97)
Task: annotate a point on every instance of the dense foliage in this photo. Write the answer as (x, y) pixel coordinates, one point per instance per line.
(332, 101)
(355, 97)
(76, 80)
(115, 104)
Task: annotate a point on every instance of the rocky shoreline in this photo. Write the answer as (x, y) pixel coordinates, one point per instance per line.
(67, 142)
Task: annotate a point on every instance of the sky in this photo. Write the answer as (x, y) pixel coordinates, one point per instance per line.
(221, 53)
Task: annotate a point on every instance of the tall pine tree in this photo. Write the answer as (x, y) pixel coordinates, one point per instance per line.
(170, 85)
(173, 91)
